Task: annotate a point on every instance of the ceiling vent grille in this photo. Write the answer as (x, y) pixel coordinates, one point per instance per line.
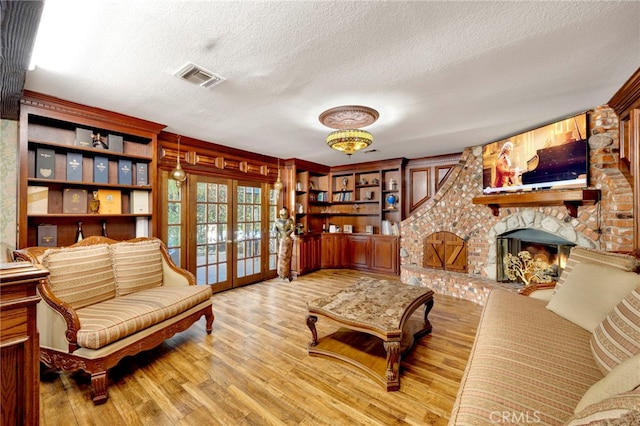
(198, 75)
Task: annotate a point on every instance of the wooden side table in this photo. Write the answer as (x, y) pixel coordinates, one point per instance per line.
(19, 343)
(377, 326)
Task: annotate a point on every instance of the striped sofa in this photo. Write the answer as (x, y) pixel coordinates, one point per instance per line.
(570, 359)
(107, 299)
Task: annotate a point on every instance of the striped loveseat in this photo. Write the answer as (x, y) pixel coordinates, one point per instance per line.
(107, 299)
(572, 359)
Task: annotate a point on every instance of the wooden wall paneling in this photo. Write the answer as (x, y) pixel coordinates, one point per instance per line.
(419, 188)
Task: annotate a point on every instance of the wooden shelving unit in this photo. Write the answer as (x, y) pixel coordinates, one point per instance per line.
(50, 125)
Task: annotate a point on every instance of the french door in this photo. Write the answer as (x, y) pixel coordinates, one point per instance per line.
(225, 224)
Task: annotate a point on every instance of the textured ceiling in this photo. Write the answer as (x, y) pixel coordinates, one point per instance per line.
(443, 75)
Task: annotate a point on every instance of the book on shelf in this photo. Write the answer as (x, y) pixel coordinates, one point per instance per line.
(74, 200)
(37, 200)
(124, 172)
(110, 201)
(45, 163)
(74, 166)
(100, 169)
(140, 202)
(84, 137)
(142, 174)
(115, 143)
(142, 227)
(47, 235)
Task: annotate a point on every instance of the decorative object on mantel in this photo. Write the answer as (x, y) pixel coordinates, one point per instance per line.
(177, 173)
(348, 120)
(526, 268)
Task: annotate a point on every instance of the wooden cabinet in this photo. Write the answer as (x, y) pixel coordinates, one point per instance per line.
(306, 253)
(19, 345)
(385, 254)
(334, 251)
(377, 253)
(359, 255)
(70, 153)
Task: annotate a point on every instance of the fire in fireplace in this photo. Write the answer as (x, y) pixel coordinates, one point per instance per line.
(550, 248)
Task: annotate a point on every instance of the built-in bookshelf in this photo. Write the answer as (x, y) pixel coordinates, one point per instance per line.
(82, 164)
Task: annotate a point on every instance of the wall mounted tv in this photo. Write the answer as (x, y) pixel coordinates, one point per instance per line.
(554, 156)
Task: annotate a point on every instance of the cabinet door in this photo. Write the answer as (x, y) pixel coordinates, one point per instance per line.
(384, 254)
(327, 249)
(359, 251)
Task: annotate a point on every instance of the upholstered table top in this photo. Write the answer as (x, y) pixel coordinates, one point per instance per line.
(370, 302)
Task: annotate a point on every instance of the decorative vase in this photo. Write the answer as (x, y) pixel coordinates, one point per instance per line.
(94, 205)
(392, 200)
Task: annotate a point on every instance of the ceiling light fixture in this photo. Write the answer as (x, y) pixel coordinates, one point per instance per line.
(348, 120)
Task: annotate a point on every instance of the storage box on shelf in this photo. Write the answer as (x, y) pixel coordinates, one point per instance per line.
(72, 154)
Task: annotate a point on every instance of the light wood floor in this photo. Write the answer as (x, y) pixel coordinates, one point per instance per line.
(254, 369)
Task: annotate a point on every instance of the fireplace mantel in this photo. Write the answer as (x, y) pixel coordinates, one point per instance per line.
(570, 198)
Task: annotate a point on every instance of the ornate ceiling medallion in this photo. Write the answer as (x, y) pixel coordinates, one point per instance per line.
(348, 137)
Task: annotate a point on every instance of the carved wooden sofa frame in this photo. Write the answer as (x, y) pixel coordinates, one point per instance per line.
(97, 362)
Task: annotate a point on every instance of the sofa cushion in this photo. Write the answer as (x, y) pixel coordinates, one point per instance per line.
(621, 409)
(578, 255)
(617, 337)
(525, 360)
(114, 319)
(80, 276)
(137, 266)
(590, 292)
(624, 378)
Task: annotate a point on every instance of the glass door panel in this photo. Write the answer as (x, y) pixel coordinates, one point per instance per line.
(212, 233)
(248, 233)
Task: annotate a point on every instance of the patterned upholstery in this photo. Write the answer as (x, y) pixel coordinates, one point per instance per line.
(136, 266)
(518, 366)
(80, 276)
(618, 336)
(622, 410)
(109, 321)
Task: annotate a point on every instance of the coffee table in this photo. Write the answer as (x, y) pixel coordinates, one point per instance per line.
(377, 326)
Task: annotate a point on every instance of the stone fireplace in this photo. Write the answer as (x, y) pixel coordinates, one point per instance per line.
(606, 225)
(548, 248)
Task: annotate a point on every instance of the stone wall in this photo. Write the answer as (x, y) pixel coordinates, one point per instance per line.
(607, 225)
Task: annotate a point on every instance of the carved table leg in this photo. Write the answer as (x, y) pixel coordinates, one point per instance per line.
(393, 354)
(427, 308)
(99, 383)
(209, 318)
(311, 323)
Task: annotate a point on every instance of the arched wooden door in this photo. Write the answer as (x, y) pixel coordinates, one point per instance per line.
(445, 250)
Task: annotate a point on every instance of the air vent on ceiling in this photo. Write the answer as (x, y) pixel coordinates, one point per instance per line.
(198, 75)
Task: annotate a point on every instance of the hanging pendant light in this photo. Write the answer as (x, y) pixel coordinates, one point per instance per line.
(278, 184)
(177, 173)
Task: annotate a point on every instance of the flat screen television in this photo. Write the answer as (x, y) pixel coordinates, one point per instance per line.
(554, 156)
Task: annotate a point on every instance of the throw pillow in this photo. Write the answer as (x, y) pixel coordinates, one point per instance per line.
(579, 255)
(80, 276)
(617, 337)
(620, 409)
(624, 378)
(136, 266)
(590, 292)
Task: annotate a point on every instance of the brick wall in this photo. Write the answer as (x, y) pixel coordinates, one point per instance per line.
(607, 225)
